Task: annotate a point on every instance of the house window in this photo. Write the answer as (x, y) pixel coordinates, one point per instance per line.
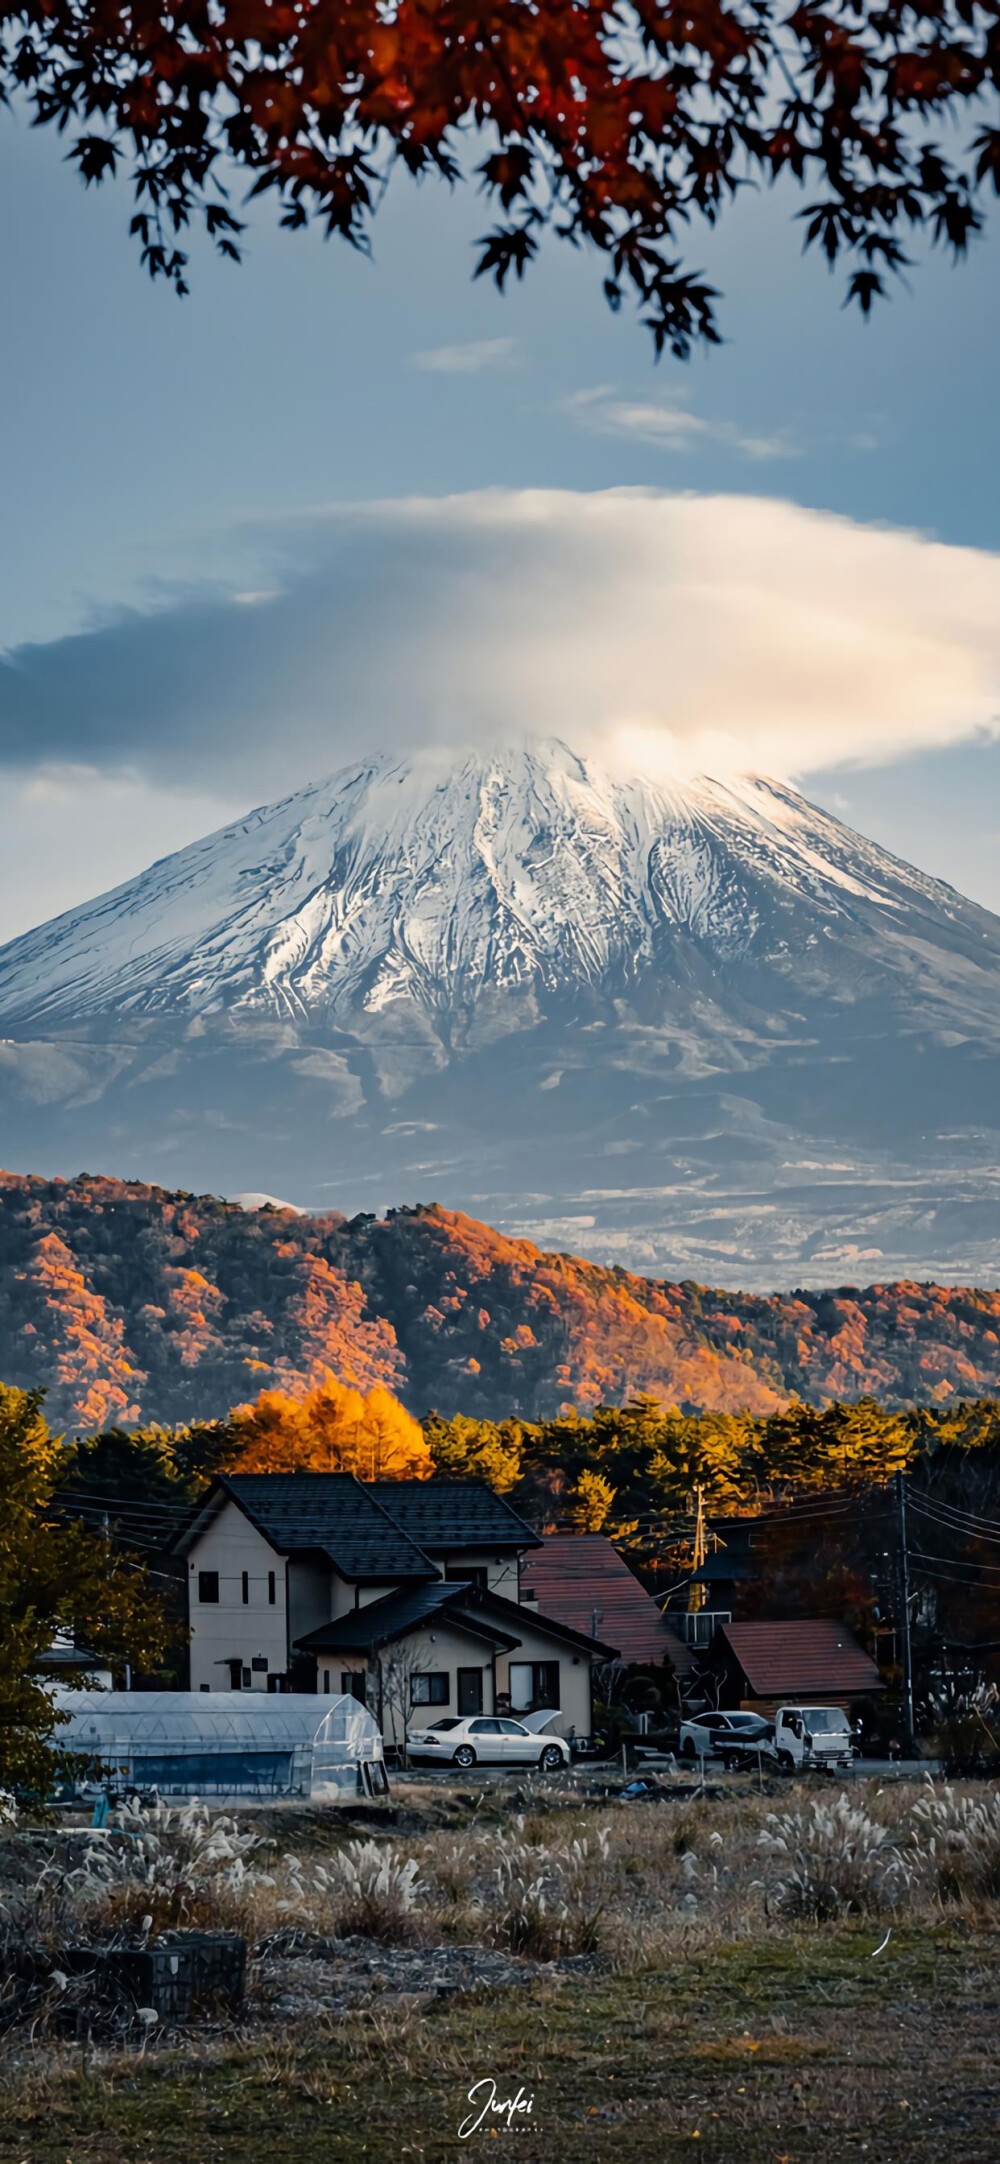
(236, 1675)
(246, 1588)
(259, 1664)
(429, 1690)
(272, 1588)
(208, 1587)
(354, 1684)
(472, 1574)
(533, 1685)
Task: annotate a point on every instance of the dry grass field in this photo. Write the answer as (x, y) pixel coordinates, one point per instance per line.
(746, 1978)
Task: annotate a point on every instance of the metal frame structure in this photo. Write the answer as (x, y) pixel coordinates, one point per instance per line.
(224, 1745)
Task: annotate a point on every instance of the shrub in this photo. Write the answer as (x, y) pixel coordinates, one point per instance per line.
(549, 1901)
(965, 1731)
(831, 1859)
(372, 1890)
(959, 1836)
(155, 1869)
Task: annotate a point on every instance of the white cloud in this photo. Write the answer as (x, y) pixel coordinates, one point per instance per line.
(467, 360)
(667, 424)
(656, 629)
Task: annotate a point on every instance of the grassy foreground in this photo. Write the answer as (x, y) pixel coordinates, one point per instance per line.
(810, 2046)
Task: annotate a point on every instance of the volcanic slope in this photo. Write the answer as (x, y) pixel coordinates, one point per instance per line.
(698, 1026)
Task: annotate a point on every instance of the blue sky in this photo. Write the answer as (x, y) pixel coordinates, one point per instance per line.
(155, 451)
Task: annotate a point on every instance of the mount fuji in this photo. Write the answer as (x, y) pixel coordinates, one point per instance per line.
(699, 1027)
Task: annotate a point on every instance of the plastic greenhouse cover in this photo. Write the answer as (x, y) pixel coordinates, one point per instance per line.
(133, 1722)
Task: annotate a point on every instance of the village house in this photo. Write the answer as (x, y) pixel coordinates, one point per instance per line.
(318, 1582)
(581, 1580)
(803, 1661)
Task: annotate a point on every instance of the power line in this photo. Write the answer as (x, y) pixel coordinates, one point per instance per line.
(121, 1502)
(961, 1532)
(924, 1497)
(953, 1563)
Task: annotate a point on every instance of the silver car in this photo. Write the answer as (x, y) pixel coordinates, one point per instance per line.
(485, 1740)
(710, 1735)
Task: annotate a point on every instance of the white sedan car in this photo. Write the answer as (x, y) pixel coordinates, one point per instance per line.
(482, 1740)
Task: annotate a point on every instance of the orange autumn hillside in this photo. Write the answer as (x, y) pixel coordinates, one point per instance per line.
(128, 1303)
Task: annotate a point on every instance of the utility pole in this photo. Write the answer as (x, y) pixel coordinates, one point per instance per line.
(697, 1589)
(904, 1556)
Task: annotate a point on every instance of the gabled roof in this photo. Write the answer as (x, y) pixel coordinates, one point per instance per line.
(801, 1659)
(370, 1530)
(581, 1580)
(443, 1514)
(515, 1613)
(329, 1512)
(485, 1615)
(380, 1622)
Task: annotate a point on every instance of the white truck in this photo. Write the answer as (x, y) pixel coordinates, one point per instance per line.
(813, 1736)
(800, 1738)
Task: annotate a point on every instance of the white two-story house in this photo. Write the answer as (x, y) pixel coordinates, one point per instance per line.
(395, 1591)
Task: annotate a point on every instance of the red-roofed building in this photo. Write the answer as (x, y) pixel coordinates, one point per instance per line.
(581, 1581)
(802, 1662)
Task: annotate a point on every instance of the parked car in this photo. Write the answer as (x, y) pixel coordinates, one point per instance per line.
(485, 1740)
(814, 1736)
(707, 1735)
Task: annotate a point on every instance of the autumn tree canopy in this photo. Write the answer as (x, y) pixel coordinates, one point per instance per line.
(609, 126)
(333, 1429)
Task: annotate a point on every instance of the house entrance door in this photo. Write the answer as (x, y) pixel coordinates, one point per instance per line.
(470, 1690)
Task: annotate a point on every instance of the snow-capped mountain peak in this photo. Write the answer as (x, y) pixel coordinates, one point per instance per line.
(435, 881)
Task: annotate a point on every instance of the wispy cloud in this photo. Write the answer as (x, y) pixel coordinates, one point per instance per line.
(467, 360)
(668, 424)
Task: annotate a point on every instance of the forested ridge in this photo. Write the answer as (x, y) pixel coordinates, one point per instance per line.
(129, 1304)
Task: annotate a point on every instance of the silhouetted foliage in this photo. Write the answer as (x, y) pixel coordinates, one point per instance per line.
(56, 1575)
(607, 127)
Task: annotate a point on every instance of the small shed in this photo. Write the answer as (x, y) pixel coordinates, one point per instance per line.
(225, 1745)
(815, 1661)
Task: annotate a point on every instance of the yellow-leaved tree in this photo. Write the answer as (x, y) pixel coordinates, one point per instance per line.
(333, 1429)
(590, 1502)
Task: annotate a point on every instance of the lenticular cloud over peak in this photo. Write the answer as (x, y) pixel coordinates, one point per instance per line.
(669, 633)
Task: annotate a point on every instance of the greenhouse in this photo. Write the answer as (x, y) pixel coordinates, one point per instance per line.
(224, 1745)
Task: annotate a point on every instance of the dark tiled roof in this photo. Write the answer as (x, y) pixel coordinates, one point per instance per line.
(453, 1514)
(378, 1622)
(527, 1618)
(332, 1512)
(581, 1580)
(801, 1659)
(722, 1565)
(468, 1607)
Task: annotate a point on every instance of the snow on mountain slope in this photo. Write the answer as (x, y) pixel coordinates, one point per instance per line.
(433, 883)
(698, 1027)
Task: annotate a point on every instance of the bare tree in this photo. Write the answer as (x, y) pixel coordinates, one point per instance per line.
(390, 1693)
